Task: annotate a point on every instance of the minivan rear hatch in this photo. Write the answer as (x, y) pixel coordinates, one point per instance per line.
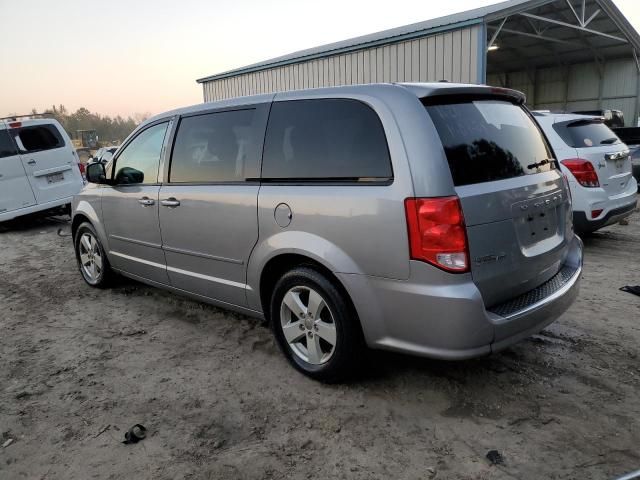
(513, 196)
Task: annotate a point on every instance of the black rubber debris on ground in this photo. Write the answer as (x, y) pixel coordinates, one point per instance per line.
(494, 457)
(631, 289)
(135, 434)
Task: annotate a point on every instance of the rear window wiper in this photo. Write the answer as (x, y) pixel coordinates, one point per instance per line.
(609, 141)
(539, 164)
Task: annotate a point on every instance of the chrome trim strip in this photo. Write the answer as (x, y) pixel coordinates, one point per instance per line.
(554, 296)
(50, 171)
(617, 155)
(139, 260)
(183, 272)
(207, 277)
(137, 242)
(202, 255)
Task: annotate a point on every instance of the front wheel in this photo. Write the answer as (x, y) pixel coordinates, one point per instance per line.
(92, 261)
(315, 325)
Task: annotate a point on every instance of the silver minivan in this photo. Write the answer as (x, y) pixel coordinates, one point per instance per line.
(430, 219)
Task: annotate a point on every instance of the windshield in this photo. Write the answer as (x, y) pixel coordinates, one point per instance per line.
(488, 140)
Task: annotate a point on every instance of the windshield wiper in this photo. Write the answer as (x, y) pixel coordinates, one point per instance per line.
(609, 141)
(539, 164)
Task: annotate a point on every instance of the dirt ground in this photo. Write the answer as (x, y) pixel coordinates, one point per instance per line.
(79, 366)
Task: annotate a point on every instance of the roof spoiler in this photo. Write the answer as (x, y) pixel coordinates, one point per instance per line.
(588, 120)
(445, 89)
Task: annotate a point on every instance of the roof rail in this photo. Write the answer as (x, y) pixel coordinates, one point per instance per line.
(16, 117)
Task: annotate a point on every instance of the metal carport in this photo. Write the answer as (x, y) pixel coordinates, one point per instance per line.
(564, 54)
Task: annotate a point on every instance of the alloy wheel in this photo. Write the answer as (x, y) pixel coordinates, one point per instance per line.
(308, 325)
(91, 260)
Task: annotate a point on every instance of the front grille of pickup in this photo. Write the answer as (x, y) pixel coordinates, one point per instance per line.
(536, 295)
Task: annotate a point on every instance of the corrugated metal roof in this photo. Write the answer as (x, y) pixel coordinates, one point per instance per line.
(449, 22)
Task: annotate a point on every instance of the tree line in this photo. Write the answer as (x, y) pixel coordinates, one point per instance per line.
(110, 130)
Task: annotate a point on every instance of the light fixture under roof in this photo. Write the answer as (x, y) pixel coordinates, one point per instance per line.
(493, 48)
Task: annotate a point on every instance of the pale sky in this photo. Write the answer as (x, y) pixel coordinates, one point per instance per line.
(127, 56)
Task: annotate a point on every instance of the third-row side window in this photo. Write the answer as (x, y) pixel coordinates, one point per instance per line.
(40, 137)
(321, 139)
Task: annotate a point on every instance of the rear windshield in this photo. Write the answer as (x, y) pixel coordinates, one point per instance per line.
(586, 133)
(487, 140)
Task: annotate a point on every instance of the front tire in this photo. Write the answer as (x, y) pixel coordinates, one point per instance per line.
(90, 255)
(316, 326)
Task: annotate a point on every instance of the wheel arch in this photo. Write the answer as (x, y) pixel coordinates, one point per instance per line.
(279, 264)
(85, 212)
(78, 220)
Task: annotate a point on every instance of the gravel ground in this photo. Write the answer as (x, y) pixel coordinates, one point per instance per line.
(80, 366)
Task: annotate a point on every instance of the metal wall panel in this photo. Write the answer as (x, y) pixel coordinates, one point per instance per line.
(449, 56)
(584, 82)
(620, 79)
(582, 105)
(551, 85)
(578, 87)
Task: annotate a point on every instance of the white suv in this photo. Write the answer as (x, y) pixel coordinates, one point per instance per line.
(38, 167)
(597, 165)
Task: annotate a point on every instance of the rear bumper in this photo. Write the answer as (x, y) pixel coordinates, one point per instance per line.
(582, 223)
(614, 208)
(536, 315)
(440, 315)
(10, 215)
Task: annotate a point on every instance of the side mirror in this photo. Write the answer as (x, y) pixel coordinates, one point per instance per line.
(96, 173)
(128, 176)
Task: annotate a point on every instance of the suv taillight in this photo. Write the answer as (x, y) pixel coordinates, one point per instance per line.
(437, 233)
(583, 171)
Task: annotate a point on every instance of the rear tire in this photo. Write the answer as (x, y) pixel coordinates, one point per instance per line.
(316, 326)
(90, 255)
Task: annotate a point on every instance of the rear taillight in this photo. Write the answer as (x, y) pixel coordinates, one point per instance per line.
(596, 213)
(81, 167)
(437, 233)
(583, 171)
